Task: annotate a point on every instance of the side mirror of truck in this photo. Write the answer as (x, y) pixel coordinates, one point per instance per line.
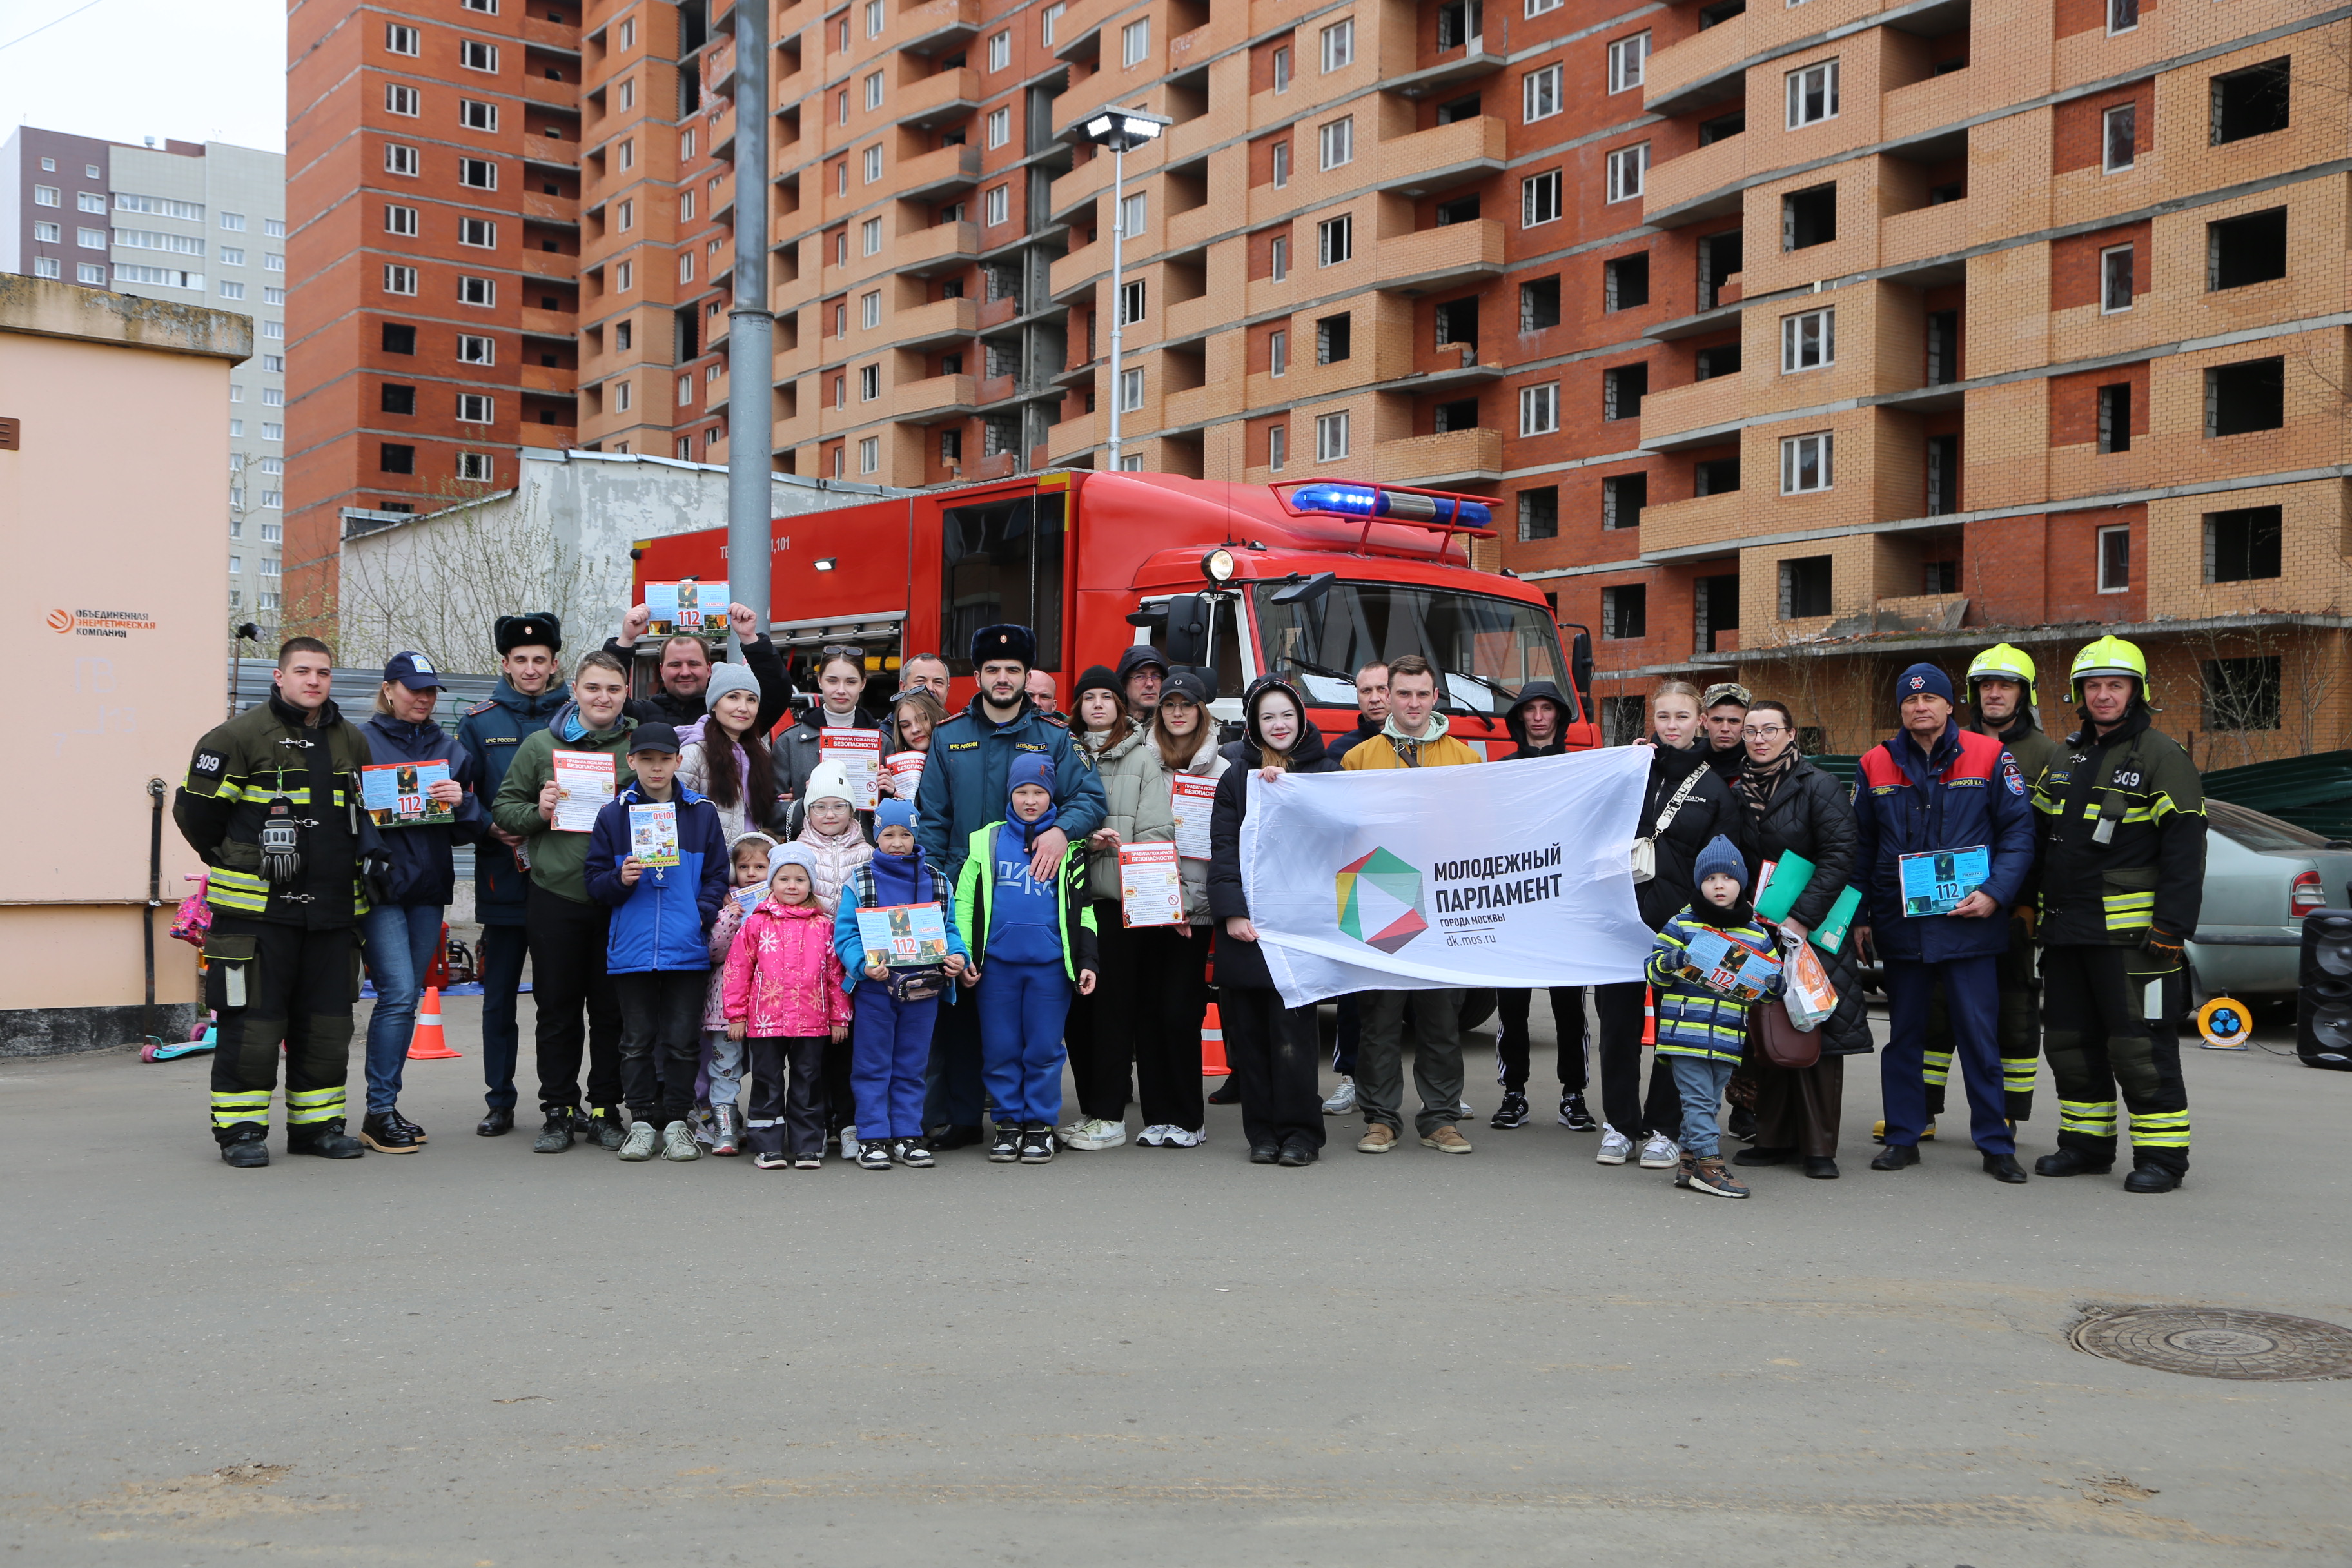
(1306, 591)
(1188, 630)
(1579, 669)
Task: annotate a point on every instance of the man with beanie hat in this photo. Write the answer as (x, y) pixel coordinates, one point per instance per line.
(1141, 669)
(1930, 803)
(529, 691)
(964, 785)
(1703, 1030)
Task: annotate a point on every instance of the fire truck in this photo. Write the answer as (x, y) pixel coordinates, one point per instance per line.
(1309, 579)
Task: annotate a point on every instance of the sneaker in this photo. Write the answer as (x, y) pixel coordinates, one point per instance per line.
(1615, 1148)
(849, 1144)
(1036, 1146)
(1709, 1175)
(1093, 1132)
(1068, 1132)
(643, 1141)
(1184, 1137)
(606, 1123)
(726, 1130)
(1447, 1141)
(1004, 1147)
(554, 1133)
(1741, 1124)
(1462, 1109)
(1512, 1112)
(771, 1162)
(912, 1153)
(1154, 1136)
(1378, 1139)
(874, 1156)
(678, 1143)
(1660, 1153)
(808, 1162)
(385, 1132)
(1574, 1116)
(1343, 1099)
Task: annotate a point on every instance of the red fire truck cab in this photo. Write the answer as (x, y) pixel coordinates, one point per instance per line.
(1310, 579)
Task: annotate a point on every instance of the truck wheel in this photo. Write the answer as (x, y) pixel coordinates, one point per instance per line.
(1477, 1006)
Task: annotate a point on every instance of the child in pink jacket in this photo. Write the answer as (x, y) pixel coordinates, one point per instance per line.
(785, 1000)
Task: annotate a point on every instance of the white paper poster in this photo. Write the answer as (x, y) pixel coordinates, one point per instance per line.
(583, 781)
(859, 752)
(1150, 884)
(1419, 878)
(1190, 799)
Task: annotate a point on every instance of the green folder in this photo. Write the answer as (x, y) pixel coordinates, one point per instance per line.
(1792, 874)
(1831, 932)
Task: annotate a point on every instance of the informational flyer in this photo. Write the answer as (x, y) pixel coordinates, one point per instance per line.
(1729, 968)
(1150, 884)
(687, 606)
(859, 752)
(1938, 881)
(1191, 798)
(748, 899)
(393, 793)
(903, 936)
(905, 771)
(584, 784)
(653, 833)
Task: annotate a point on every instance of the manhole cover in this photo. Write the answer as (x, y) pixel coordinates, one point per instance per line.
(2217, 1341)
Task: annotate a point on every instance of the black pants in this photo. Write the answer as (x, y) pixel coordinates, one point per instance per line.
(2021, 1031)
(787, 1112)
(1101, 1044)
(502, 951)
(1275, 1051)
(661, 1040)
(1170, 997)
(952, 1090)
(289, 987)
(1349, 1035)
(567, 973)
(2096, 1003)
(1660, 1111)
(1512, 1044)
(837, 1103)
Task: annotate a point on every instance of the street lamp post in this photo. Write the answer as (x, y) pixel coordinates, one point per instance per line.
(1118, 130)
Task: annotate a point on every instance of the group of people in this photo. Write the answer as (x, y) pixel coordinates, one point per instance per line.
(702, 922)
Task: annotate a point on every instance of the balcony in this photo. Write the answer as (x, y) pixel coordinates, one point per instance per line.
(1457, 456)
(561, 211)
(936, 173)
(552, 379)
(942, 398)
(1931, 105)
(1672, 418)
(938, 25)
(1077, 272)
(1443, 156)
(1678, 182)
(1192, 318)
(1922, 233)
(1439, 257)
(1474, 61)
(549, 324)
(1703, 521)
(997, 311)
(1074, 435)
(941, 321)
(551, 266)
(994, 388)
(1192, 406)
(1086, 181)
(555, 36)
(942, 248)
(1685, 75)
(550, 94)
(940, 98)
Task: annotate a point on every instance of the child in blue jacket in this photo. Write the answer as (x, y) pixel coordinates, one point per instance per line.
(892, 1011)
(1032, 945)
(1703, 1032)
(659, 951)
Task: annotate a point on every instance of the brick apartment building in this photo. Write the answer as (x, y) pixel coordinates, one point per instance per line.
(1986, 322)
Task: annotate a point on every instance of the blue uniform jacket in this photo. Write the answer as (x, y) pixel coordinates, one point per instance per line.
(964, 782)
(489, 733)
(1968, 792)
(662, 923)
(422, 871)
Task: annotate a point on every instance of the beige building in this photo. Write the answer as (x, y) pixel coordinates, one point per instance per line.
(112, 597)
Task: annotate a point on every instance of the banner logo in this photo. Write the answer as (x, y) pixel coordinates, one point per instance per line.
(62, 621)
(1381, 902)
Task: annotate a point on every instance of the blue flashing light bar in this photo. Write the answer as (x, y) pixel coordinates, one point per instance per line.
(1368, 500)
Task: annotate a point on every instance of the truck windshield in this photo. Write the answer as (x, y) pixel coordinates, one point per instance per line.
(1487, 647)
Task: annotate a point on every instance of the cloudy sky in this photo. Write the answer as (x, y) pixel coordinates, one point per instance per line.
(200, 70)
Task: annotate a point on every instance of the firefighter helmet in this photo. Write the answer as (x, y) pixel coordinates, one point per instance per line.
(2003, 661)
(2109, 656)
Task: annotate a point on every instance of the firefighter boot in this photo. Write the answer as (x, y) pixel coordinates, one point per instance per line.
(247, 1147)
(325, 1139)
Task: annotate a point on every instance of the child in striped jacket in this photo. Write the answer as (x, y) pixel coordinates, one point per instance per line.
(1703, 1030)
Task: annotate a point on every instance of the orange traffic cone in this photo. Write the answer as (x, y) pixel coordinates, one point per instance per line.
(1212, 1046)
(1649, 1016)
(427, 1045)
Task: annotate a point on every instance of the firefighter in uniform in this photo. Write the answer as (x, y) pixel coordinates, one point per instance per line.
(269, 804)
(2002, 701)
(2123, 875)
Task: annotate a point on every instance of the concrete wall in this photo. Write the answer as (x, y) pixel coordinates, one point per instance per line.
(559, 540)
(110, 519)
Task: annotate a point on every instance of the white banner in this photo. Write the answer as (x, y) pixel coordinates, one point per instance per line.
(1509, 875)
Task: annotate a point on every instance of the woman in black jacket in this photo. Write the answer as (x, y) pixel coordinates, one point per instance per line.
(1793, 808)
(1275, 1051)
(1701, 810)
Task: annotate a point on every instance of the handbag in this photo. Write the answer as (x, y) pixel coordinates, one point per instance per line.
(1645, 849)
(1783, 1043)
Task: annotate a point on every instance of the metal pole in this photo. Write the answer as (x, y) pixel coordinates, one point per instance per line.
(750, 329)
(1118, 260)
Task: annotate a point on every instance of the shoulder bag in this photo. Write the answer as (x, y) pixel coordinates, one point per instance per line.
(1645, 849)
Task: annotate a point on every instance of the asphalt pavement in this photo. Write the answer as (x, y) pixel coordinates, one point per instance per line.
(478, 1356)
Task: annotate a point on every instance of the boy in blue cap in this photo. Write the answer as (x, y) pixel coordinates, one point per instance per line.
(893, 1010)
(1032, 942)
(1703, 1027)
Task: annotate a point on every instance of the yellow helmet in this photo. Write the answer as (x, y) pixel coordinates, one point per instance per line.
(2109, 656)
(2003, 661)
